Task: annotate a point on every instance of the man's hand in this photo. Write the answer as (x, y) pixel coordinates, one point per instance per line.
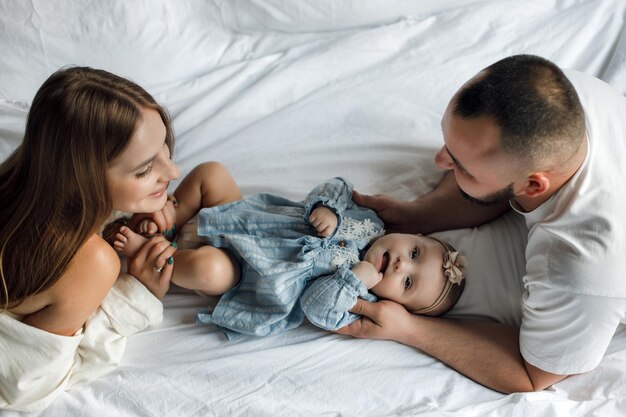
(324, 220)
(444, 208)
(367, 274)
(384, 319)
(397, 214)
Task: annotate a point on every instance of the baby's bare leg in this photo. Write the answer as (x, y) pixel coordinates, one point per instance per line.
(207, 185)
(207, 269)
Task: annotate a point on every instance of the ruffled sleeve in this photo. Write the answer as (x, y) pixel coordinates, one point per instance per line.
(327, 300)
(335, 194)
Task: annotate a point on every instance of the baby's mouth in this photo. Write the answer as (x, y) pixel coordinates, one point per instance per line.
(384, 263)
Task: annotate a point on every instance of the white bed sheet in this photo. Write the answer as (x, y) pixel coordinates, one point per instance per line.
(287, 94)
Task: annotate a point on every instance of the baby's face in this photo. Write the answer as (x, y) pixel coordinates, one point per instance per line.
(412, 268)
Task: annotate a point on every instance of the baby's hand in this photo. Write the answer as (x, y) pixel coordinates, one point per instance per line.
(367, 273)
(147, 228)
(162, 221)
(324, 221)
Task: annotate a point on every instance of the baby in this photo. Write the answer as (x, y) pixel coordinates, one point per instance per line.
(311, 258)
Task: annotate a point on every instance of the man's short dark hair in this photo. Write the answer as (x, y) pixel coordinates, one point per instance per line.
(534, 104)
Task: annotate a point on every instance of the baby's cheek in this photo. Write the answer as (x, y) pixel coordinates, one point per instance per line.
(381, 290)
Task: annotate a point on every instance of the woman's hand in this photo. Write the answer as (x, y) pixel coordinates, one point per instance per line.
(153, 265)
(324, 220)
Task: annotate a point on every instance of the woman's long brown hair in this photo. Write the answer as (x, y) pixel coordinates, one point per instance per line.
(54, 192)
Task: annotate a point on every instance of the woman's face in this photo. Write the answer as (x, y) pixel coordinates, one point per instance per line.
(139, 176)
(412, 267)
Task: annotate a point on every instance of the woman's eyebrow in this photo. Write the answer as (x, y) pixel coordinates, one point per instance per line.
(144, 163)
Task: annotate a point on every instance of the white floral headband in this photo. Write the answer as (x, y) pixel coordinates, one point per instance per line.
(454, 269)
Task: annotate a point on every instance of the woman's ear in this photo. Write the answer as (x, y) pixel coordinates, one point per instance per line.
(537, 183)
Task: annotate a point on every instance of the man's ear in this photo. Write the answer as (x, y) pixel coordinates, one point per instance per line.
(536, 184)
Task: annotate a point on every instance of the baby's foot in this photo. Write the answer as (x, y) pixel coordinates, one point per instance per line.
(128, 242)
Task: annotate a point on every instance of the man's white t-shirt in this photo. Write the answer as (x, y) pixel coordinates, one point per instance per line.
(568, 293)
(496, 265)
(575, 283)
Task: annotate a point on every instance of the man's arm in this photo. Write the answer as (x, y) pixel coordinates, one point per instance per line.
(444, 208)
(486, 352)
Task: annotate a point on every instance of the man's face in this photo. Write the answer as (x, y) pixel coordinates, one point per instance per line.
(484, 174)
(498, 197)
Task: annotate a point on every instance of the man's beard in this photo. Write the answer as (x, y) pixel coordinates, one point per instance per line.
(492, 199)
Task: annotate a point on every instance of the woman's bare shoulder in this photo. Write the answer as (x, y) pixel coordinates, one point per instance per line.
(81, 289)
(97, 252)
(91, 274)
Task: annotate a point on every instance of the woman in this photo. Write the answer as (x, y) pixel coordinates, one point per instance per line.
(94, 143)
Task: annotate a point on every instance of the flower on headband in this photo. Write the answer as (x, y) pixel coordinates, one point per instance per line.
(454, 264)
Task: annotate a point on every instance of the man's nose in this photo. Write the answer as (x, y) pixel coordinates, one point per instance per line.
(443, 159)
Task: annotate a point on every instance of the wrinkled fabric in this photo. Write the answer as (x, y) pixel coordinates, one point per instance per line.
(37, 366)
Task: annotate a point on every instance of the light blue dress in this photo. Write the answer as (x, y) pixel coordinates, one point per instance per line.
(287, 272)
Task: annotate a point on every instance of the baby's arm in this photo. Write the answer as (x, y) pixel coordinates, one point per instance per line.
(325, 205)
(324, 220)
(327, 301)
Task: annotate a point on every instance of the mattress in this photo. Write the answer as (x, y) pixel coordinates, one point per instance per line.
(287, 94)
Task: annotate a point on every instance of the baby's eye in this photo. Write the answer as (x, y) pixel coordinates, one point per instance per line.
(415, 253)
(408, 281)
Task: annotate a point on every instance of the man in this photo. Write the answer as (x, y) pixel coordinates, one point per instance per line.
(522, 134)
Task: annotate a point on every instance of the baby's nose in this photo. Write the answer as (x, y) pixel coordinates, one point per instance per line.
(399, 265)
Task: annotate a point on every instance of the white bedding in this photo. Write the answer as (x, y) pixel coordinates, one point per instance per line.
(287, 94)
